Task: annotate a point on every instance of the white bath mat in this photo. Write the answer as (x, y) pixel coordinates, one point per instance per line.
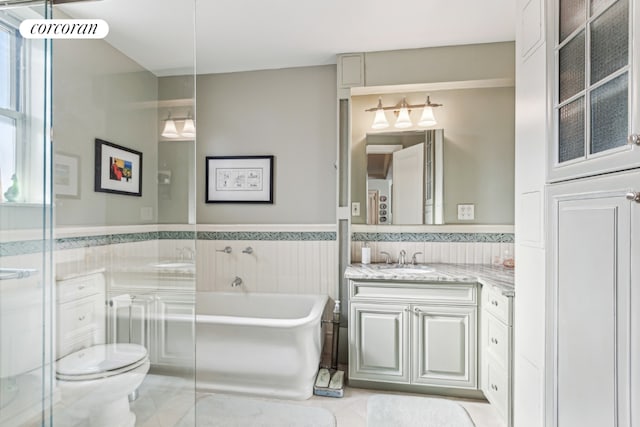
(409, 411)
(231, 411)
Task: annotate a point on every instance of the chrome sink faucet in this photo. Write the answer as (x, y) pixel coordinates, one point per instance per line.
(402, 258)
(414, 258)
(387, 257)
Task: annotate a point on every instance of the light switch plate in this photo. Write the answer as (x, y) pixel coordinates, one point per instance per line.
(355, 209)
(466, 212)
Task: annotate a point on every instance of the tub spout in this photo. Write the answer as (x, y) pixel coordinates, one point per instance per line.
(236, 282)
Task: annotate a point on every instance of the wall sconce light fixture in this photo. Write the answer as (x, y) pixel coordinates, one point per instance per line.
(402, 111)
(188, 127)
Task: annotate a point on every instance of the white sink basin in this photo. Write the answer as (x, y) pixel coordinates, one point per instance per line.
(405, 269)
(173, 264)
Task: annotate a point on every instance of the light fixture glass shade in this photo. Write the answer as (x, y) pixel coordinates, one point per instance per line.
(403, 121)
(427, 118)
(170, 130)
(380, 120)
(189, 128)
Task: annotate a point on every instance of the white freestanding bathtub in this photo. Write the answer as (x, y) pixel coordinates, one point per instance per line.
(258, 344)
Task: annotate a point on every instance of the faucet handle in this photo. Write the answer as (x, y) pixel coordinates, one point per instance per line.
(226, 250)
(414, 259)
(188, 253)
(387, 257)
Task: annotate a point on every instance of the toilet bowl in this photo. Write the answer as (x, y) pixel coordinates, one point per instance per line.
(94, 379)
(95, 383)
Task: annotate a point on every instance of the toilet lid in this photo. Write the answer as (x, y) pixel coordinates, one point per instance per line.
(101, 359)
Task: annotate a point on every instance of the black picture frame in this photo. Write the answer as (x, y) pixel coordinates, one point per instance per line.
(239, 179)
(118, 169)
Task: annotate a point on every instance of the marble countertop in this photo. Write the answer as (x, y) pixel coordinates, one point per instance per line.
(499, 277)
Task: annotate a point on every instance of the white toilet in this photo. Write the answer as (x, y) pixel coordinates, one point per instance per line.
(94, 379)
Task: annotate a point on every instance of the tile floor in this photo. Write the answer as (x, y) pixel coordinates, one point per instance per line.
(164, 401)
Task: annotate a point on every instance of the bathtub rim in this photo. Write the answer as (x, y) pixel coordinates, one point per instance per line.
(315, 314)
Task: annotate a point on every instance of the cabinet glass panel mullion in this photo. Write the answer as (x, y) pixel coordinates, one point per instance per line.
(593, 57)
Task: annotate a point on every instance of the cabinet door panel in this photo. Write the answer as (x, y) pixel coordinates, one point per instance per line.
(498, 340)
(379, 336)
(131, 323)
(590, 294)
(444, 346)
(498, 386)
(594, 88)
(175, 330)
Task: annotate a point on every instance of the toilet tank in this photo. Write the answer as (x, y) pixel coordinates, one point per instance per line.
(81, 312)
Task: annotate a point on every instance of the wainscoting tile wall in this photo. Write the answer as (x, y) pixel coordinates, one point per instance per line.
(307, 267)
(435, 252)
(481, 245)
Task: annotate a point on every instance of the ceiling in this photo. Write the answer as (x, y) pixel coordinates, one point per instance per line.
(241, 35)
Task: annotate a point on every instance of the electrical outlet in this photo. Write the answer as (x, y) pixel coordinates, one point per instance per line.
(355, 209)
(466, 212)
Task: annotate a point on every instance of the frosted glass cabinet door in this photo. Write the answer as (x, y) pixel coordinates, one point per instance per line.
(595, 110)
(379, 342)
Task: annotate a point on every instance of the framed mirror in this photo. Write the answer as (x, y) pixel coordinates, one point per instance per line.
(466, 160)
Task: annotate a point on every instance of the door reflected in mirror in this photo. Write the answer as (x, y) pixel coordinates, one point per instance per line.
(404, 177)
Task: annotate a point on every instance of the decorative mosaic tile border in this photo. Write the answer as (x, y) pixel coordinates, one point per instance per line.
(434, 237)
(103, 240)
(176, 235)
(306, 236)
(25, 247)
(35, 246)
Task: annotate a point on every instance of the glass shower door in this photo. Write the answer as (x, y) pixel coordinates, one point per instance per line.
(26, 385)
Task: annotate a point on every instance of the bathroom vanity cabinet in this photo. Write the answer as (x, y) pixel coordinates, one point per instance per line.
(80, 312)
(440, 329)
(496, 351)
(156, 311)
(414, 333)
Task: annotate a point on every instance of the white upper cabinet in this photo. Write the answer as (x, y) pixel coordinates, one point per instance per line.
(594, 88)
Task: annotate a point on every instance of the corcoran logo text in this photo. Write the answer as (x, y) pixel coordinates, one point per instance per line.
(64, 29)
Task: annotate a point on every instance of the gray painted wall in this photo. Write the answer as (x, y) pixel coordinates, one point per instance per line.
(101, 93)
(479, 130)
(441, 64)
(174, 199)
(288, 113)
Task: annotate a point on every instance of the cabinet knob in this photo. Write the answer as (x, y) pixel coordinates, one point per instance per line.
(634, 138)
(633, 196)
(494, 302)
(493, 340)
(81, 318)
(416, 310)
(494, 387)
